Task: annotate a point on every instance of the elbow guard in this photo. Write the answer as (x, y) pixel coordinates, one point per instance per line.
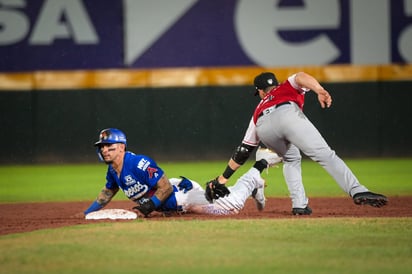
(242, 153)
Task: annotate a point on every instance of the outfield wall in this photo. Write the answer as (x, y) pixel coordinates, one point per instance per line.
(368, 119)
(175, 75)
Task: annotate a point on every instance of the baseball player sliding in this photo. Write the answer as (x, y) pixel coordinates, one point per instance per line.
(280, 124)
(145, 183)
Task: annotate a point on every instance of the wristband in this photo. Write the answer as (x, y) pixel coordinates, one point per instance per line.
(228, 172)
(261, 165)
(156, 201)
(93, 207)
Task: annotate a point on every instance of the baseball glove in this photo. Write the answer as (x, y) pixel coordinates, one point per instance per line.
(215, 190)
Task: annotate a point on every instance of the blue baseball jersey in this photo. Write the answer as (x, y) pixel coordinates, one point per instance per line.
(138, 179)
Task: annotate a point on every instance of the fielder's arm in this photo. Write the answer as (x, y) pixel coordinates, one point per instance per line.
(239, 157)
(307, 81)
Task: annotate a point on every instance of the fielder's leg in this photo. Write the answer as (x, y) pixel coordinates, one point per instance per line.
(292, 172)
(304, 135)
(272, 130)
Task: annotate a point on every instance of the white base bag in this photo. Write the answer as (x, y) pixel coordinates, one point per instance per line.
(112, 214)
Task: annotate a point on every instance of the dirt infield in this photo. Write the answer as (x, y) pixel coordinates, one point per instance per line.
(18, 218)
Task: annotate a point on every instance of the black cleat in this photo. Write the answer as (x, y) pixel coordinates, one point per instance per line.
(301, 211)
(370, 198)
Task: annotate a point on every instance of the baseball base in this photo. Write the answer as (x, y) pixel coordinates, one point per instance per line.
(112, 214)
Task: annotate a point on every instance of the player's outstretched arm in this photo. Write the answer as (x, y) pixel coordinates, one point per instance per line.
(307, 81)
(104, 197)
(239, 157)
(216, 188)
(231, 168)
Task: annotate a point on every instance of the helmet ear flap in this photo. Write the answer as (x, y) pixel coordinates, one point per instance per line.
(99, 154)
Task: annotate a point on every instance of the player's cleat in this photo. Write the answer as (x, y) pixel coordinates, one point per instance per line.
(301, 211)
(370, 198)
(259, 197)
(271, 157)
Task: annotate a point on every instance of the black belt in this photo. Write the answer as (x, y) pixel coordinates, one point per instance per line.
(281, 104)
(276, 106)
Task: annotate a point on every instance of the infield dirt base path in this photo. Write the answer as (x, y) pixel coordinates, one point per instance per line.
(25, 217)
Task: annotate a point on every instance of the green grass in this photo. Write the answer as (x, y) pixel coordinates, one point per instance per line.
(83, 182)
(381, 245)
(295, 245)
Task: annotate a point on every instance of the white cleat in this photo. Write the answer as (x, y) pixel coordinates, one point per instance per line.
(271, 157)
(258, 195)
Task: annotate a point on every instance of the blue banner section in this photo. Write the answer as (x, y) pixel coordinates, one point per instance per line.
(50, 35)
(144, 34)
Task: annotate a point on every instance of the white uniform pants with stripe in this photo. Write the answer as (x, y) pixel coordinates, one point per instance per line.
(195, 201)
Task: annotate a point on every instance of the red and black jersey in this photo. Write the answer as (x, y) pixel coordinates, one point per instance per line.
(285, 92)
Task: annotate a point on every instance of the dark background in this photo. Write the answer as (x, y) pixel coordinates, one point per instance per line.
(367, 119)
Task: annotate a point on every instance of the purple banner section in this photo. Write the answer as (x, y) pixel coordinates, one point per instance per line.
(204, 37)
(51, 42)
(146, 34)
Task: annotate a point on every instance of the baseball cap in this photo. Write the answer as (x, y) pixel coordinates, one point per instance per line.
(264, 80)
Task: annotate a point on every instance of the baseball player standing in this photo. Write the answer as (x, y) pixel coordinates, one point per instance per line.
(144, 182)
(280, 124)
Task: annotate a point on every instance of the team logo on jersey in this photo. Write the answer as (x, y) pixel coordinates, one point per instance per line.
(128, 180)
(143, 164)
(136, 191)
(152, 171)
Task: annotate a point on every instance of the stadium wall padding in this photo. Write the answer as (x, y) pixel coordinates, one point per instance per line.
(367, 119)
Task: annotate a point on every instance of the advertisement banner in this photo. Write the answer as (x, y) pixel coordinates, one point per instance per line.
(46, 35)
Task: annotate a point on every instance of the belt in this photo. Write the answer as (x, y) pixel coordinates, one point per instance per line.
(272, 108)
